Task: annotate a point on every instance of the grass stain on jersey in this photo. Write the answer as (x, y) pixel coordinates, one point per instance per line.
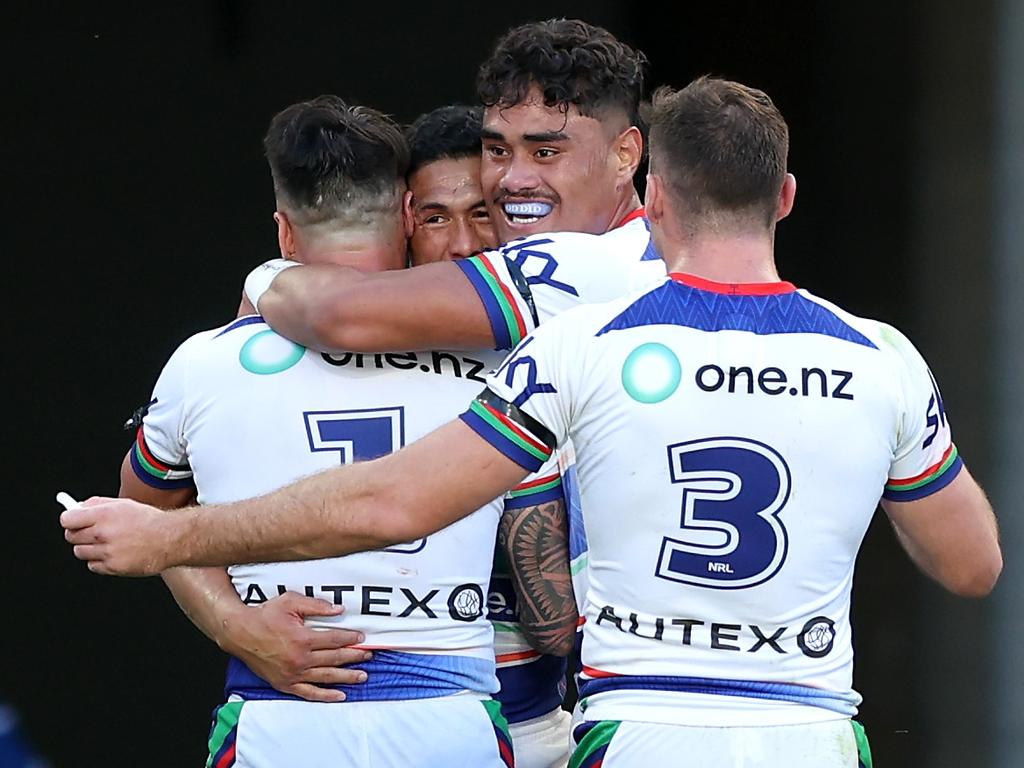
(266, 353)
(651, 373)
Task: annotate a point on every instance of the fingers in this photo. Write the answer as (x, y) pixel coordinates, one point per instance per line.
(82, 536)
(338, 657)
(90, 552)
(311, 606)
(312, 693)
(78, 517)
(96, 501)
(333, 676)
(321, 639)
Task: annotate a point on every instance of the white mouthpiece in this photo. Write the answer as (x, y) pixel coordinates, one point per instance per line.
(67, 500)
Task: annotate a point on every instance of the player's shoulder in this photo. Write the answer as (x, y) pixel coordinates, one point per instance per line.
(629, 243)
(592, 319)
(883, 336)
(206, 346)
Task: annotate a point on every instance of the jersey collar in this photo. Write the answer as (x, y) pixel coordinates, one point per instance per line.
(740, 289)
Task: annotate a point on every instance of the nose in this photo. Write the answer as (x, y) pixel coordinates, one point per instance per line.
(464, 240)
(520, 174)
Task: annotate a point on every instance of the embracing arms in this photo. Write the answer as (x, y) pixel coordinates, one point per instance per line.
(371, 505)
(332, 308)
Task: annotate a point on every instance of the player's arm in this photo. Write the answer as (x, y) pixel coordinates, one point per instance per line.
(332, 308)
(271, 638)
(443, 477)
(535, 538)
(951, 535)
(940, 514)
(401, 497)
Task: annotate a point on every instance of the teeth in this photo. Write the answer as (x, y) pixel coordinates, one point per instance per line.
(527, 209)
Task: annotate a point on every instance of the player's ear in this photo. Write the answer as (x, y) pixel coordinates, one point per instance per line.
(285, 235)
(787, 196)
(654, 198)
(629, 150)
(408, 220)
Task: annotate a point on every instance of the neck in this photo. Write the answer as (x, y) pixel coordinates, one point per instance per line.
(368, 251)
(626, 206)
(724, 259)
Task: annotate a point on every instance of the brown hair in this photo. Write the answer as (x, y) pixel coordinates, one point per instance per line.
(720, 147)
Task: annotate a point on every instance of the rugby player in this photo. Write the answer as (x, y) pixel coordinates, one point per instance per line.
(448, 217)
(240, 410)
(734, 435)
(445, 213)
(561, 146)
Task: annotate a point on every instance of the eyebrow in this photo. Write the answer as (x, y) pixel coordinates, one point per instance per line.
(544, 137)
(432, 206)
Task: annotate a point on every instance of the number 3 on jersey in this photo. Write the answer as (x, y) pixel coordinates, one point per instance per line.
(360, 436)
(731, 536)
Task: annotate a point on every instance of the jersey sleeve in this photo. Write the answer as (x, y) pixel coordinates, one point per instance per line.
(159, 457)
(531, 280)
(523, 412)
(541, 487)
(506, 296)
(926, 459)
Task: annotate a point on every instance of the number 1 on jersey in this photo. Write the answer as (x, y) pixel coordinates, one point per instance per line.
(731, 536)
(361, 435)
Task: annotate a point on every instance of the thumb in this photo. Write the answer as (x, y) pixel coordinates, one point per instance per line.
(93, 501)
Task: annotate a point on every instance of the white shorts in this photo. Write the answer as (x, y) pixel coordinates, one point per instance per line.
(542, 742)
(448, 731)
(615, 744)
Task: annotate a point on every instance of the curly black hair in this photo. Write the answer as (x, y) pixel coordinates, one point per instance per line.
(571, 61)
(452, 132)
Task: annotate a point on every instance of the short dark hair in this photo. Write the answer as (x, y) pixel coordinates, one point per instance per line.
(329, 158)
(452, 132)
(571, 62)
(720, 146)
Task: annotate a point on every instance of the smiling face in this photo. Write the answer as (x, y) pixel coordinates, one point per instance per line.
(547, 170)
(446, 207)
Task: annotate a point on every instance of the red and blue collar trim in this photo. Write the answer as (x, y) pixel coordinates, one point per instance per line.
(735, 289)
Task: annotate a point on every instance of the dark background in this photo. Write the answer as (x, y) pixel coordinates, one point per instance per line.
(137, 199)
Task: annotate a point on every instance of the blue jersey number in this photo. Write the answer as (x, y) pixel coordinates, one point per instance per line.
(360, 436)
(731, 536)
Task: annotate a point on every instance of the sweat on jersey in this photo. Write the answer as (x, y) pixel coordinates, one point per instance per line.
(732, 443)
(242, 411)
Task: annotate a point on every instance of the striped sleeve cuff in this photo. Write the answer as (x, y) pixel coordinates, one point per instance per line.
(537, 491)
(933, 479)
(507, 321)
(500, 430)
(156, 473)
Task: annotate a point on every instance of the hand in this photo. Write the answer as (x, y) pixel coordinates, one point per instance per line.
(273, 639)
(119, 537)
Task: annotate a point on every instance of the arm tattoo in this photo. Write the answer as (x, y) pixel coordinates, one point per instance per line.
(536, 541)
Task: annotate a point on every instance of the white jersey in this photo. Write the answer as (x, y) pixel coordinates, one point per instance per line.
(521, 284)
(732, 444)
(247, 412)
(530, 280)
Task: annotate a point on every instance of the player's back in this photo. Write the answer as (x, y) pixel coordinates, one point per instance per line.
(252, 412)
(732, 445)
